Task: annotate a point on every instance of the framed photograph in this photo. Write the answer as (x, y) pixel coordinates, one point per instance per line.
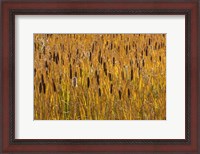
(116, 76)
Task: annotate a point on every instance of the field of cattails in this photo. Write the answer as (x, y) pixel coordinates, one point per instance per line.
(99, 76)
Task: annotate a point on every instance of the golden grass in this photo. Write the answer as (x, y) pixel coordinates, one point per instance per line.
(99, 76)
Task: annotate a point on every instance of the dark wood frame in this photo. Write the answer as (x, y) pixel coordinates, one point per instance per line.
(189, 8)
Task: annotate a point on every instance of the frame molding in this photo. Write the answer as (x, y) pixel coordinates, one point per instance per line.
(10, 9)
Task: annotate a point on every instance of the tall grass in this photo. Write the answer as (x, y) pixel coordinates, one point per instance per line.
(99, 76)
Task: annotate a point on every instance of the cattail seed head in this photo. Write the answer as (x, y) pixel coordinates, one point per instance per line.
(40, 87)
(98, 82)
(99, 92)
(110, 76)
(70, 71)
(88, 82)
(122, 74)
(111, 88)
(120, 94)
(131, 74)
(74, 82)
(80, 72)
(129, 93)
(44, 88)
(54, 86)
(75, 74)
(113, 61)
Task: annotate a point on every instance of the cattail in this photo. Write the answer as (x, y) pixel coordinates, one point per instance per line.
(131, 74)
(77, 52)
(93, 47)
(120, 94)
(151, 59)
(98, 80)
(146, 51)
(143, 62)
(111, 46)
(75, 74)
(138, 65)
(46, 64)
(129, 93)
(160, 58)
(104, 66)
(113, 61)
(54, 86)
(111, 88)
(88, 82)
(126, 49)
(35, 71)
(156, 44)
(74, 82)
(40, 87)
(99, 91)
(90, 56)
(80, 72)
(110, 76)
(149, 41)
(122, 73)
(54, 57)
(44, 50)
(44, 88)
(57, 58)
(70, 71)
(96, 73)
(42, 78)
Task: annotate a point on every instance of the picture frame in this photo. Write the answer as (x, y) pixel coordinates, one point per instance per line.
(12, 8)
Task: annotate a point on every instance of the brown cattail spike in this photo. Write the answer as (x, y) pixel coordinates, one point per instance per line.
(40, 87)
(111, 88)
(88, 82)
(80, 72)
(120, 94)
(70, 71)
(44, 88)
(54, 86)
(35, 71)
(122, 73)
(74, 82)
(129, 93)
(42, 78)
(110, 76)
(75, 74)
(113, 61)
(98, 80)
(99, 91)
(90, 56)
(146, 51)
(131, 74)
